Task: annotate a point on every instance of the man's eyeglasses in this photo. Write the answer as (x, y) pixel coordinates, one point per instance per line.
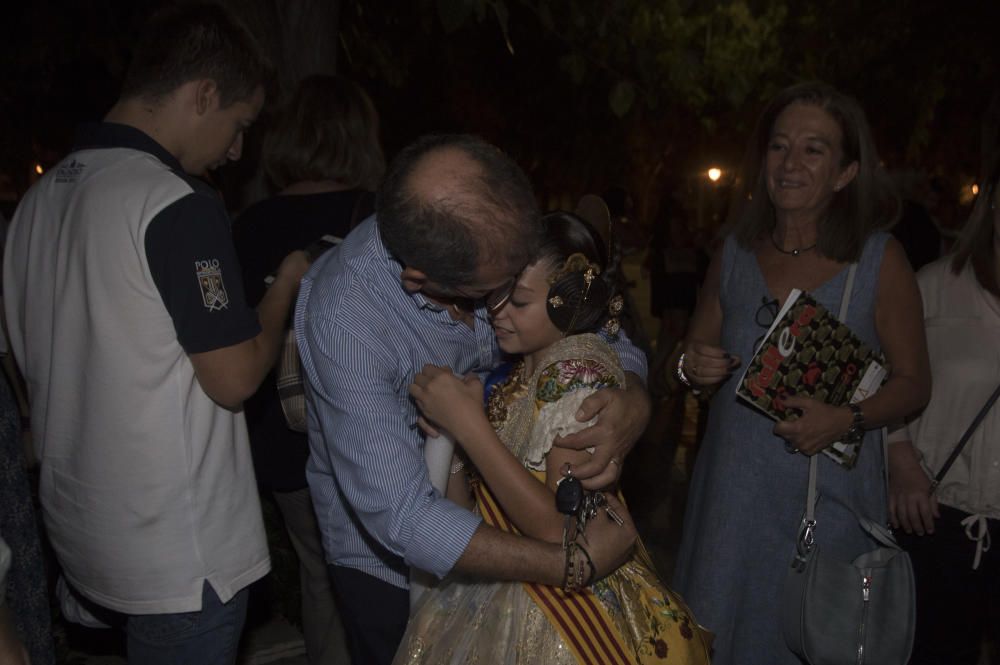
(498, 297)
(493, 300)
(764, 317)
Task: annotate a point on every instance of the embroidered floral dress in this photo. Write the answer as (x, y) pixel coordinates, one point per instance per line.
(510, 623)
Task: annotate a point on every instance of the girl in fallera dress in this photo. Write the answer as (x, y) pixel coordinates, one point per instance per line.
(508, 470)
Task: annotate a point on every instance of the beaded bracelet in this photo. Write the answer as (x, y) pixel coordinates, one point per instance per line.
(569, 578)
(590, 562)
(574, 580)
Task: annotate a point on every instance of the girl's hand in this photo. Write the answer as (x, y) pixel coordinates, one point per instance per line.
(818, 427)
(446, 400)
(706, 365)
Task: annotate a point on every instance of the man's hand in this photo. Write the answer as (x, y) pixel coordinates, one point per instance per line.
(609, 544)
(622, 416)
(911, 504)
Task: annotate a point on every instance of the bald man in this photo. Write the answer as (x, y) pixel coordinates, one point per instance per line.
(456, 222)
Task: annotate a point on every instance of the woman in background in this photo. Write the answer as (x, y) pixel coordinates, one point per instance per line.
(323, 158)
(948, 533)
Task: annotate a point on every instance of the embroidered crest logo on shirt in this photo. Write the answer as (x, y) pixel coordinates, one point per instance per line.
(213, 290)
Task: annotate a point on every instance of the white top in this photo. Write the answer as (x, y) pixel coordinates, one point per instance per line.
(147, 487)
(963, 339)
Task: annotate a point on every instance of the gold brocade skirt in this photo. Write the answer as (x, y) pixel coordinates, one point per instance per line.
(498, 623)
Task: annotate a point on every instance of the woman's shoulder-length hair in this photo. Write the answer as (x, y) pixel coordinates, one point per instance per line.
(977, 243)
(868, 203)
(328, 131)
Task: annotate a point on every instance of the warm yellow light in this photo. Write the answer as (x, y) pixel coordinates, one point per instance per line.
(975, 189)
(714, 174)
(38, 169)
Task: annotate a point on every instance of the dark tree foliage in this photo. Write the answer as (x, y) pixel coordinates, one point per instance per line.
(585, 93)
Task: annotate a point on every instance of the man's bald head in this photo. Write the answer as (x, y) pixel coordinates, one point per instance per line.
(451, 204)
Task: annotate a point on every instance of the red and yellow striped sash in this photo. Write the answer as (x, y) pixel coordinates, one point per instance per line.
(581, 618)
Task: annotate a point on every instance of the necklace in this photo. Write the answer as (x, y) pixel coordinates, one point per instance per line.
(791, 252)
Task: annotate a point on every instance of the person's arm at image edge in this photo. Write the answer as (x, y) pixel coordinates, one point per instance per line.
(12, 652)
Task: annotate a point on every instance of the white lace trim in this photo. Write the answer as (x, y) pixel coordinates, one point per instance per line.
(556, 419)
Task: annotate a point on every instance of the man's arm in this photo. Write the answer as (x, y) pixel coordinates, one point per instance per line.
(496, 555)
(361, 437)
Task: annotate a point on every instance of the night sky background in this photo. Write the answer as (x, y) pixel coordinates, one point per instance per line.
(586, 94)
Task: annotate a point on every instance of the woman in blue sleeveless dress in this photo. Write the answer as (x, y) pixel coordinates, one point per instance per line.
(810, 204)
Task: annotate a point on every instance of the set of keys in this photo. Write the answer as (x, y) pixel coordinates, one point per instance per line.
(575, 502)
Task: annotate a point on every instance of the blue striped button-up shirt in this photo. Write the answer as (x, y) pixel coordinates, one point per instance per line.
(362, 338)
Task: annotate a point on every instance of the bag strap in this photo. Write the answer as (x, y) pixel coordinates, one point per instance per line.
(845, 298)
(806, 538)
(964, 440)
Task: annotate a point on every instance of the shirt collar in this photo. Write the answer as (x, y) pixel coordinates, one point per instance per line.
(115, 135)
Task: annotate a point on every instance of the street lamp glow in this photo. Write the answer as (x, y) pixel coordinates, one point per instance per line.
(714, 174)
(975, 189)
(38, 169)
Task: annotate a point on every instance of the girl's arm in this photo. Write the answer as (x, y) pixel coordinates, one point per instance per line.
(456, 405)
(458, 489)
(529, 504)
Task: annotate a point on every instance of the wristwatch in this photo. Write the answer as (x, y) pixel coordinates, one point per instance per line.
(857, 429)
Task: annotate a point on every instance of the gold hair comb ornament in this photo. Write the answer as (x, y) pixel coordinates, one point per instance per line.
(615, 307)
(588, 279)
(576, 263)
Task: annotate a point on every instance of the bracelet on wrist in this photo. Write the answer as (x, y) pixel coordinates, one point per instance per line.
(574, 579)
(856, 432)
(569, 573)
(590, 562)
(683, 378)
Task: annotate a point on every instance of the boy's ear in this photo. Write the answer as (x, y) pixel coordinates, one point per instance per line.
(206, 95)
